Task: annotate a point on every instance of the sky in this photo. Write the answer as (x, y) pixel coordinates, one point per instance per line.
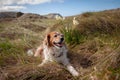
(64, 7)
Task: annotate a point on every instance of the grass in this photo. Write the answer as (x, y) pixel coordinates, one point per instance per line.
(94, 55)
(100, 30)
(15, 40)
(72, 36)
(10, 53)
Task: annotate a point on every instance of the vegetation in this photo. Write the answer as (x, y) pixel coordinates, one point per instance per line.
(18, 14)
(72, 36)
(94, 47)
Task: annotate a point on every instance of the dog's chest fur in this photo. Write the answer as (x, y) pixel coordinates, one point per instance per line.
(55, 54)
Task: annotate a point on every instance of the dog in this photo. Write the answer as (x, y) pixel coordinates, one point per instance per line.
(54, 49)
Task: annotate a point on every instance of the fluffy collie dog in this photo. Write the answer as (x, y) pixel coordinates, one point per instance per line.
(54, 49)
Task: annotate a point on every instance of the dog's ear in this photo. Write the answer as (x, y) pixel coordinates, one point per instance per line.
(47, 40)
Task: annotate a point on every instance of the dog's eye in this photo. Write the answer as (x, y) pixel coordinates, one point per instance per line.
(55, 35)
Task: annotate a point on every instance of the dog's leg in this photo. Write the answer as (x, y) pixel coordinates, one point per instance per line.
(70, 68)
(38, 52)
(43, 62)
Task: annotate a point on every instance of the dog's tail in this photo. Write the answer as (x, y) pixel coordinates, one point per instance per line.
(30, 52)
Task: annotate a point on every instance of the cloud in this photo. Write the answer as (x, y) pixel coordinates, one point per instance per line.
(10, 2)
(7, 5)
(11, 8)
(33, 1)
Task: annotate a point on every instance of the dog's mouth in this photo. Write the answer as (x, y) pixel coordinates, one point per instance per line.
(58, 44)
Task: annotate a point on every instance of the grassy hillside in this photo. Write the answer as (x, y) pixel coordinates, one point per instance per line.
(94, 47)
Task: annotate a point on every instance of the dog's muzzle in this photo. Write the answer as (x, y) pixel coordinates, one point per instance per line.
(60, 43)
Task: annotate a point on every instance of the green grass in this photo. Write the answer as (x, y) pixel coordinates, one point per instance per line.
(72, 36)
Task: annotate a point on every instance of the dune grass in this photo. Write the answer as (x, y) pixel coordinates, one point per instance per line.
(103, 28)
(72, 36)
(95, 53)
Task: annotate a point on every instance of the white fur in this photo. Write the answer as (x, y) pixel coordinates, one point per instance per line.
(53, 54)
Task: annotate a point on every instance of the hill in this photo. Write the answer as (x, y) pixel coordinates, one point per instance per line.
(31, 16)
(53, 15)
(94, 46)
(8, 14)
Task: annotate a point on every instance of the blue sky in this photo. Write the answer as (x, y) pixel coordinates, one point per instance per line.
(64, 7)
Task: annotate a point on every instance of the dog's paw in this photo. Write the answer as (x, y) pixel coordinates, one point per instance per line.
(72, 70)
(42, 64)
(75, 74)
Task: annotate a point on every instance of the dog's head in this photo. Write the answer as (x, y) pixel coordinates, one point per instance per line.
(54, 39)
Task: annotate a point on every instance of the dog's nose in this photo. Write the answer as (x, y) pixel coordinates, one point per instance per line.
(62, 39)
